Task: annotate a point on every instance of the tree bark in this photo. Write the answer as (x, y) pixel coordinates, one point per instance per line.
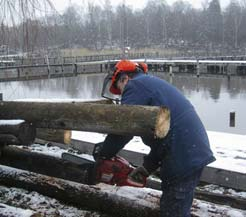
(24, 132)
(59, 136)
(92, 117)
(45, 164)
(120, 202)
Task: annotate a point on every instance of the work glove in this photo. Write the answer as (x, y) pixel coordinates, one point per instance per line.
(97, 150)
(139, 175)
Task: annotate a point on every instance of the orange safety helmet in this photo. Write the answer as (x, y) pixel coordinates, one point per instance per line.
(123, 66)
(143, 66)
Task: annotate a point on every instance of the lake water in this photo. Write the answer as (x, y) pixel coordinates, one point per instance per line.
(213, 97)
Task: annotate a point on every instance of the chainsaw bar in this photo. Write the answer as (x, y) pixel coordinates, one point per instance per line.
(87, 166)
(76, 159)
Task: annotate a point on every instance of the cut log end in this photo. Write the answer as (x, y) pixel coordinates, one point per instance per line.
(54, 135)
(162, 123)
(67, 136)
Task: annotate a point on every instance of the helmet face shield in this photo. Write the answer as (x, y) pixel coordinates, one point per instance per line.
(110, 90)
(107, 89)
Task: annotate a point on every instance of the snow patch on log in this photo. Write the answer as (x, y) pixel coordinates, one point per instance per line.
(11, 122)
(15, 197)
(202, 208)
(6, 210)
(140, 196)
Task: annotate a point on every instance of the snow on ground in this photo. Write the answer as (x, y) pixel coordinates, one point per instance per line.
(229, 149)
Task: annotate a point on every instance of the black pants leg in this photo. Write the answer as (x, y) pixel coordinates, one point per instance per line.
(176, 200)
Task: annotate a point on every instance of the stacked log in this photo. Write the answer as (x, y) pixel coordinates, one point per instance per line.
(92, 117)
(54, 135)
(103, 198)
(16, 132)
(45, 164)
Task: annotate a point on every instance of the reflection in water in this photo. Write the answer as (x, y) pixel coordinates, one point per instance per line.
(82, 87)
(213, 97)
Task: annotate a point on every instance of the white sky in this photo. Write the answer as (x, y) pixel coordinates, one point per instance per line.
(61, 4)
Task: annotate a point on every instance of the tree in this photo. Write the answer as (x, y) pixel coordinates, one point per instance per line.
(233, 19)
(214, 23)
(23, 13)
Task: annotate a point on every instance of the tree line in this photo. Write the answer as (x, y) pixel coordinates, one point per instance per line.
(157, 25)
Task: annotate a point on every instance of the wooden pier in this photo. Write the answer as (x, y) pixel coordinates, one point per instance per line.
(36, 68)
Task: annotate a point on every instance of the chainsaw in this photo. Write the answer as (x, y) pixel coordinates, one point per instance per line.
(113, 171)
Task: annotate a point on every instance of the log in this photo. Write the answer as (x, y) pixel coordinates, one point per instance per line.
(24, 132)
(115, 201)
(92, 117)
(56, 167)
(208, 176)
(228, 200)
(45, 164)
(54, 135)
(7, 139)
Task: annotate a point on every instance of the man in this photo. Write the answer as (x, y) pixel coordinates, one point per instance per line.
(181, 155)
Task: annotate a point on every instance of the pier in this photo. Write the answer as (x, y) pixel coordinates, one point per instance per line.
(37, 68)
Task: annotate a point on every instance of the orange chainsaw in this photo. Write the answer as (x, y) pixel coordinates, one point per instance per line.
(113, 171)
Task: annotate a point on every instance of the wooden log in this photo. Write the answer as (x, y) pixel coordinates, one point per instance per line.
(92, 117)
(54, 135)
(228, 200)
(103, 198)
(56, 167)
(24, 132)
(7, 139)
(44, 164)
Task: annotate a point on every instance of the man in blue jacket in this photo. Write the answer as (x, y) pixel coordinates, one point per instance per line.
(181, 155)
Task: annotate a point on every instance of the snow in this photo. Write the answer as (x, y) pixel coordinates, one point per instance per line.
(6, 210)
(235, 213)
(202, 208)
(11, 122)
(54, 151)
(144, 196)
(135, 144)
(57, 152)
(229, 149)
(44, 205)
(139, 196)
(33, 202)
(57, 100)
(223, 191)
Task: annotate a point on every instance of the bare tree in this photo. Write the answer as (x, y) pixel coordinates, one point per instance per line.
(24, 14)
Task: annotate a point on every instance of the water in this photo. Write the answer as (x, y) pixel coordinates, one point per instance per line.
(213, 97)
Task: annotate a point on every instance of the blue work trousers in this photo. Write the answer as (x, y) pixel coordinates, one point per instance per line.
(177, 197)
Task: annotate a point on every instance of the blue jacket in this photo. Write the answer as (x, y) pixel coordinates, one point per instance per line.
(186, 147)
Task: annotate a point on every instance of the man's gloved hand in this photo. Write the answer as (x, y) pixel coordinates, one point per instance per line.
(97, 150)
(139, 174)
